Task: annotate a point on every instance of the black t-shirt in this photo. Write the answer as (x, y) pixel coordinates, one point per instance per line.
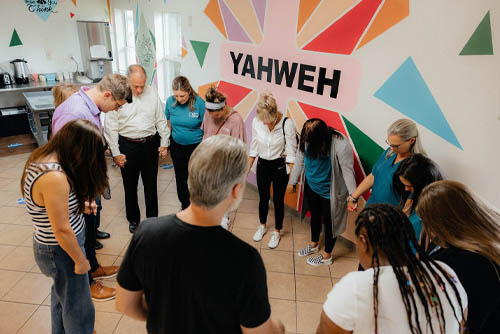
(482, 285)
(196, 279)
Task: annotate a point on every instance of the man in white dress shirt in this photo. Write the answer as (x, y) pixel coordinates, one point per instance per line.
(137, 136)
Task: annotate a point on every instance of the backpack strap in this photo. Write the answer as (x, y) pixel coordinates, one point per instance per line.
(284, 121)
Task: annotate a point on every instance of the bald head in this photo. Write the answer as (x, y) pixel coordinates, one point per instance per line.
(137, 77)
(136, 69)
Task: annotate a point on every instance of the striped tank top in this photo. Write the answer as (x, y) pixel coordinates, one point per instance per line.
(43, 230)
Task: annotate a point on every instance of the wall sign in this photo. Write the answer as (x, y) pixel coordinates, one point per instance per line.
(43, 8)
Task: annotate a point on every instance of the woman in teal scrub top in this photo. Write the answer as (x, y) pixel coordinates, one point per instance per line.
(403, 141)
(411, 177)
(185, 111)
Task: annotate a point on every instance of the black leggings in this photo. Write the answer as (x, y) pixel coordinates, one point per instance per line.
(180, 157)
(272, 171)
(320, 215)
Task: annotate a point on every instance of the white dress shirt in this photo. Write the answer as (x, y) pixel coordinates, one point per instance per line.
(139, 119)
(270, 145)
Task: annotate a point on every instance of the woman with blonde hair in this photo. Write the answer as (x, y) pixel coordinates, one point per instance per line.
(468, 234)
(403, 140)
(60, 93)
(274, 143)
(184, 111)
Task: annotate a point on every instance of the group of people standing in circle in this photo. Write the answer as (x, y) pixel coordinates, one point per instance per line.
(404, 185)
(429, 249)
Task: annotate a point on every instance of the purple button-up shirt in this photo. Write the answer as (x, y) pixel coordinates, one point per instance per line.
(77, 106)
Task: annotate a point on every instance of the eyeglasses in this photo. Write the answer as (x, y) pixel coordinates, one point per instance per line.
(395, 147)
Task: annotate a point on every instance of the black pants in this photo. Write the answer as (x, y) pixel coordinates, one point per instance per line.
(320, 215)
(91, 222)
(180, 157)
(272, 171)
(142, 158)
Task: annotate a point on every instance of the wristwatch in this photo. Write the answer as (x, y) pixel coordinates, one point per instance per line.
(352, 199)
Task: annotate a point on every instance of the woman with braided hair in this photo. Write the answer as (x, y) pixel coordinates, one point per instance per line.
(398, 292)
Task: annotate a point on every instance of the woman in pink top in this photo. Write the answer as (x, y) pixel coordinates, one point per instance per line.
(221, 119)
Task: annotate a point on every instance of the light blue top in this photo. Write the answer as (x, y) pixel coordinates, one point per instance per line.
(383, 171)
(185, 123)
(318, 174)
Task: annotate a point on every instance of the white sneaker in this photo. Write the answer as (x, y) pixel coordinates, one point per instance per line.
(225, 223)
(275, 240)
(259, 233)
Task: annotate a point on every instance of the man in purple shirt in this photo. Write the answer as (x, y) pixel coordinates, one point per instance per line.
(109, 94)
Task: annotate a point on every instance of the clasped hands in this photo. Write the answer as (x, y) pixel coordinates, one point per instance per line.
(121, 159)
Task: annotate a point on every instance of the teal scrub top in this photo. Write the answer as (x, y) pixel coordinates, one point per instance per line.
(383, 171)
(186, 124)
(318, 174)
(416, 222)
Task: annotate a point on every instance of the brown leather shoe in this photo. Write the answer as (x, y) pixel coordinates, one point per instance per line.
(105, 272)
(101, 293)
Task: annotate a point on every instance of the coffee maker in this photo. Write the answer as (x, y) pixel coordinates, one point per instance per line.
(5, 79)
(20, 71)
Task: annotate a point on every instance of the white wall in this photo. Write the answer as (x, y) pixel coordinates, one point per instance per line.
(465, 87)
(47, 46)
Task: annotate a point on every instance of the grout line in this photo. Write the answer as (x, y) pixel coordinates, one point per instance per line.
(31, 316)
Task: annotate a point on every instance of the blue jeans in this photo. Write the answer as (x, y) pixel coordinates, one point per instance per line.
(72, 309)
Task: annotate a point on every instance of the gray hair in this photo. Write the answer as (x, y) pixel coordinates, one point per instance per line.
(215, 167)
(406, 129)
(135, 68)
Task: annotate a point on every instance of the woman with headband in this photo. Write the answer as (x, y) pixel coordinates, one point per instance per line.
(221, 119)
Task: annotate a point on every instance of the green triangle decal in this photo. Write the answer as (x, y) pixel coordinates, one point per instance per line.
(15, 40)
(480, 41)
(368, 151)
(200, 49)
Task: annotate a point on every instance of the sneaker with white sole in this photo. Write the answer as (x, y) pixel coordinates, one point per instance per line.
(225, 223)
(275, 240)
(308, 250)
(319, 260)
(259, 233)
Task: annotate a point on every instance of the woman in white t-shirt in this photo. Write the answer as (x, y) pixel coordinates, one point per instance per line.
(398, 293)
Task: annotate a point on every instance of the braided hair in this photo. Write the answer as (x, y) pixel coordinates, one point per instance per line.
(390, 233)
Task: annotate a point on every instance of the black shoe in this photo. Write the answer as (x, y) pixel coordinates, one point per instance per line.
(132, 227)
(102, 235)
(98, 245)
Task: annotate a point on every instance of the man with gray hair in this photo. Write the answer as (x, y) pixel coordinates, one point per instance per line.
(177, 273)
(137, 135)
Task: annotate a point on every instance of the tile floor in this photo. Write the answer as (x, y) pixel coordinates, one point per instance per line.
(296, 290)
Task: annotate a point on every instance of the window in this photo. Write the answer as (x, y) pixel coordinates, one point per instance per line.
(168, 51)
(124, 40)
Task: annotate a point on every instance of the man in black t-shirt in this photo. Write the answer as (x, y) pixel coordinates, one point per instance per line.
(184, 273)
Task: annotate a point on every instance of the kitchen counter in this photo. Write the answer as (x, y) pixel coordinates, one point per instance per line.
(39, 85)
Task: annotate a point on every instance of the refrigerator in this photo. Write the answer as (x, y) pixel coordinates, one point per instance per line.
(95, 45)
